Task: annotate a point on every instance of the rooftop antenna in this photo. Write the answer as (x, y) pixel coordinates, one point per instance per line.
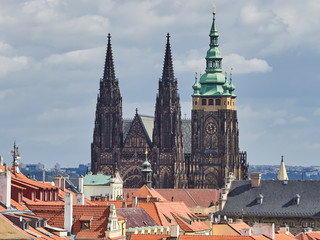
(16, 155)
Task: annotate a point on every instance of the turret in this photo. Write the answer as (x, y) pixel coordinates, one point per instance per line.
(146, 172)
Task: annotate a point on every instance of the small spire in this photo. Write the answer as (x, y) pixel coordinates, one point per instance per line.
(282, 175)
(136, 111)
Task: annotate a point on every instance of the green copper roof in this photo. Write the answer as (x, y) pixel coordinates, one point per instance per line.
(213, 82)
(196, 86)
(96, 180)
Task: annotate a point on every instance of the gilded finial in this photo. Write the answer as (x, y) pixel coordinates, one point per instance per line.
(231, 71)
(214, 9)
(196, 76)
(146, 151)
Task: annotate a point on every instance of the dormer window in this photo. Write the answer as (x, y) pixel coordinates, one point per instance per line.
(260, 199)
(85, 222)
(297, 199)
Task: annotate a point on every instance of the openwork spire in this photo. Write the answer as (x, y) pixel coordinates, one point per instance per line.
(108, 65)
(167, 73)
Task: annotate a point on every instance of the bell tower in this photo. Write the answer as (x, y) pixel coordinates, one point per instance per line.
(214, 123)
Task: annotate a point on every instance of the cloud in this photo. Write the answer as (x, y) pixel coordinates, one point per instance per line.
(62, 114)
(242, 65)
(317, 112)
(76, 58)
(14, 64)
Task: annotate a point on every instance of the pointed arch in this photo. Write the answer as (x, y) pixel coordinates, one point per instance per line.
(166, 178)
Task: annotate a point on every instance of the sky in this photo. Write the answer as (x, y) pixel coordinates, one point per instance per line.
(52, 56)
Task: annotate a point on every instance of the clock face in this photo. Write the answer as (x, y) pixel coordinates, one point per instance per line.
(211, 128)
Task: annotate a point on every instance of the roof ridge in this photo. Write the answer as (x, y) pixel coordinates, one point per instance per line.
(192, 197)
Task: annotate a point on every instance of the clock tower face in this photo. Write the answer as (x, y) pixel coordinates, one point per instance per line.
(211, 128)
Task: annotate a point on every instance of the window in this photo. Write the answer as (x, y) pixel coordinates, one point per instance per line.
(85, 224)
(195, 102)
(210, 101)
(204, 101)
(218, 101)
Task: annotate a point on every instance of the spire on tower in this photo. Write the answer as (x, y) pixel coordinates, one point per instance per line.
(109, 73)
(282, 175)
(167, 73)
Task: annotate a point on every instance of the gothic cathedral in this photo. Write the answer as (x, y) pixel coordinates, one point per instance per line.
(183, 153)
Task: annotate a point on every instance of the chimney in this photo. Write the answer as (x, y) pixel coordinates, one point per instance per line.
(266, 229)
(174, 232)
(134, 201)
(79, 199)
(284, 229)
(245, 231)
(56, 180)
(307, 230)
(62, 183)
(255, 179)
(1, 161)
(5, 186)
(68, 211)
(80, 182)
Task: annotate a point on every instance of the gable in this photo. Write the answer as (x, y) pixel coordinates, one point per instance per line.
(137, 135)
(148, 123)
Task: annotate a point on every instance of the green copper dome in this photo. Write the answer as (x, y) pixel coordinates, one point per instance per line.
(213, 82)
(196, 86)
(226, 87)
(146, 166)
(231, 87)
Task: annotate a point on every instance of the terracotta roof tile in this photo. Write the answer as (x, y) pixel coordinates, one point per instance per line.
(237, 226)
(149, 237)
(283, 236)
(151, 209)
(55, 214)
(145, 192)
(210, 237)
(223, 229)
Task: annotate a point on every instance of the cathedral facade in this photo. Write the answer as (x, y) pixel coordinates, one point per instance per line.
(183, 153)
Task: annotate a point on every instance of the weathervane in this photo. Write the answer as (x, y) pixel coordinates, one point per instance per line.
(214, 9)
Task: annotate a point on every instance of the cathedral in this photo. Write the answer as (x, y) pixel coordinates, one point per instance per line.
(183, 153)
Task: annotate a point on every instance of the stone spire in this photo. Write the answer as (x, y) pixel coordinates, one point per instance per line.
(109, 73)
(282, 175)
(108, 132)
(167, 73)
(167, 132)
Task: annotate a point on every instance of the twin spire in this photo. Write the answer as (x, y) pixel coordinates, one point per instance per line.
(167, 73)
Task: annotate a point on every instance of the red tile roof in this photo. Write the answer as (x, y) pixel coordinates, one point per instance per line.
(237, 226)
(191, 197)
(55, 214)
(168, 213)
(149, 237)
(145, 192)
(308, 236)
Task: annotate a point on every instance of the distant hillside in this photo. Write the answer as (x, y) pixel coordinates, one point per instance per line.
(294, 172)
